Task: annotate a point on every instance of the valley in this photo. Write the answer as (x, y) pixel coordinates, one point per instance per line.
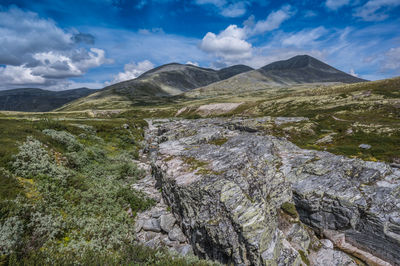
(295, 163)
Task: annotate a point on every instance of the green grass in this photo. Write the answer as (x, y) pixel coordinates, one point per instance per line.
(85, 190)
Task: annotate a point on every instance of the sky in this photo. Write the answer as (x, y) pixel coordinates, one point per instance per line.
(68, 44)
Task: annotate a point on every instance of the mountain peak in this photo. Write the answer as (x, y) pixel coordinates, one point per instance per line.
(306, 69)
(298, 61)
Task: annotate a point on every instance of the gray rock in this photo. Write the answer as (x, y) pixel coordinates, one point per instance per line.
(365, 146)
(185, 250)
(228, 196)
(176, 235)
(152, 225)
(167, 222)
(138, 225)
(326, 243)
(331, 257)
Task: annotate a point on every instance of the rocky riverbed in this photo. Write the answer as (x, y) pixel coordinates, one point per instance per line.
(228, 192)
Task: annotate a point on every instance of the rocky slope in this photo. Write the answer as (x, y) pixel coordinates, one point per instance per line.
(247, 198)
(38, 100)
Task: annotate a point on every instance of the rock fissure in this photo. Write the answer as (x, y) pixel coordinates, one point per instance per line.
(230, 210)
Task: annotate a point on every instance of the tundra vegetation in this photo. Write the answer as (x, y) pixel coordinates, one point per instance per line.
(66, 196)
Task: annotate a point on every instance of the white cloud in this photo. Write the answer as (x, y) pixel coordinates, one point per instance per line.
(24, 34)
(304, 37)
(57, 65)
(132, 71)
(336, 4)
(228, 44)
(19, 75)
(273, 21)
(234, 10)
(353, 73)
(36, 51)
(376, 10)
(192, 63)
(231, 45)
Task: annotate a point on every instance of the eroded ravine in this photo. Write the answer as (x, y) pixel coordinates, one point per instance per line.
(232, 192)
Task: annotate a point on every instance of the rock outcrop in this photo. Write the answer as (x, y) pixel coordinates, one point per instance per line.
(157, 227)
(243, 197)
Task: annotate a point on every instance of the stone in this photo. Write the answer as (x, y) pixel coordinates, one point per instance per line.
(326, 243)
(176, 235)
(332, 257)
(152, 225)
(227, 198)
(365, 146)
(185, 250)
(167, 222)
(138, 225)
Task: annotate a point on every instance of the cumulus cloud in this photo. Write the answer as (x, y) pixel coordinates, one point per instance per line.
(19, 75)
(336, 4)
(376, 10)
(36, 51)
(229, 44)
(132, 71)
(76, 63)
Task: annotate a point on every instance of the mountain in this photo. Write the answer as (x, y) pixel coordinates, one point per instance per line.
(300, 70)
(154, 86)
(305, 69)
(173, 79)
(38, 100)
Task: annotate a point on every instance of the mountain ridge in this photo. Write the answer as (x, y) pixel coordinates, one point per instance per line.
(39, 100)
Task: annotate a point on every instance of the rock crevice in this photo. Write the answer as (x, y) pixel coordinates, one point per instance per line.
(229, 186)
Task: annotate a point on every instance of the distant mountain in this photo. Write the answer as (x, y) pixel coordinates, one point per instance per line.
(305, 69)
(173, 79)
(300, 70)
(154, 86)
(38, 100)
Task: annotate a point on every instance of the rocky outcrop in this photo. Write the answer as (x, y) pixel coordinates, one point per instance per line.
(157, 227)
(232, 191)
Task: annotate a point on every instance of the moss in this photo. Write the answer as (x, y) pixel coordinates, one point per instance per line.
(304, 257)
(290, 209)
(199, 167)
(218, 142)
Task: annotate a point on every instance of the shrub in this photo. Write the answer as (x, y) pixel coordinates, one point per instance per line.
(65, 138)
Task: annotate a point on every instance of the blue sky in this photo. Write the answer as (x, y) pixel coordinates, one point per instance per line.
(68, 44)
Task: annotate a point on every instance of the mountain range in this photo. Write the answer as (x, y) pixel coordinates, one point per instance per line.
(178, 79)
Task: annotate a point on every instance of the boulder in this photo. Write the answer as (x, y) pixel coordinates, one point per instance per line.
(167, 222)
